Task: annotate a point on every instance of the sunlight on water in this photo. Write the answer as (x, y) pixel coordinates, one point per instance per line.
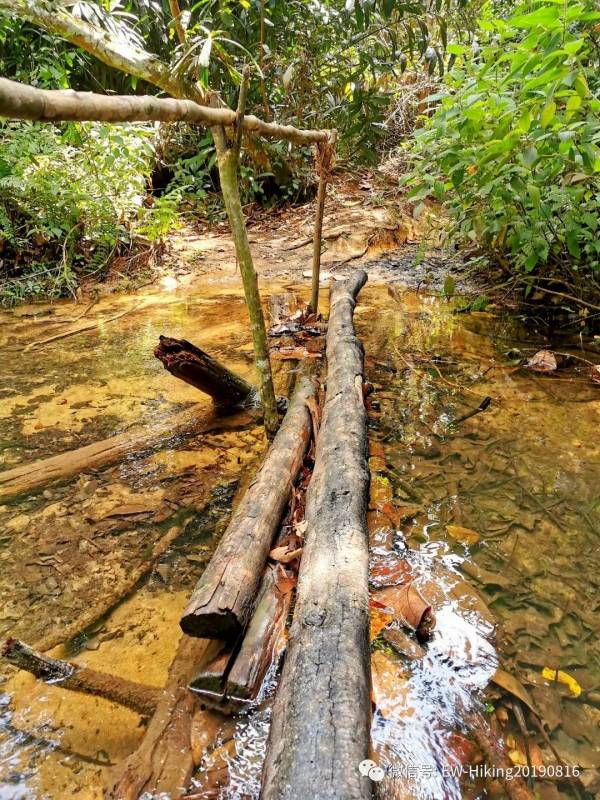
(516, 590)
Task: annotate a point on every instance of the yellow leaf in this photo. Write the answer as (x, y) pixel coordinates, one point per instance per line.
(562, 677)
(517, 757)
(463, 535)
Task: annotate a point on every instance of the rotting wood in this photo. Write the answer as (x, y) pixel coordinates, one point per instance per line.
(20, 101)
(264, 640)
(192, 365)
(29, 477)
(163, 763)
(222, 601)
(320, 726)
(66, 675)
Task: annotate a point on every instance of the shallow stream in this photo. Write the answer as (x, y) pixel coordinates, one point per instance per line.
(496, 517)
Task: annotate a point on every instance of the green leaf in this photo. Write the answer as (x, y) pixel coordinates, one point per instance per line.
(548, 114)
(534, 194)
(581, 85)
(530, 156)
(547, 16)
(449, 286)
(573, 244)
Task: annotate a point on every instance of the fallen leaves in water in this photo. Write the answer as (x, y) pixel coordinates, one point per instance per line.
(513, 686)
(388, 571)
(407, 604)
(379, 619)
(543, 361)
(463, 535)
(562, 677)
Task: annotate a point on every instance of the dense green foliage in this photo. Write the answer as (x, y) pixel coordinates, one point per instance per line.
(69, 201)
(512, 149)
(63, 213)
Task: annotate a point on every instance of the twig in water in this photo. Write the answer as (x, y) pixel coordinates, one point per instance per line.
(485, 403)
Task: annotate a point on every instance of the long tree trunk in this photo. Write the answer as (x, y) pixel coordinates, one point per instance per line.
(65, 675)
(29, 477)
(192, 365)
(320, 727)
(223, 599)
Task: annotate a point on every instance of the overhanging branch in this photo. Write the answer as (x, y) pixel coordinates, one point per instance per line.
(19, 101)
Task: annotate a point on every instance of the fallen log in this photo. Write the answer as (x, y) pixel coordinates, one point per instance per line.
(223, 599)
(28, 477)
(192, 365)
(163, 763)
(320, 727)
(76, 678)
(234, 679)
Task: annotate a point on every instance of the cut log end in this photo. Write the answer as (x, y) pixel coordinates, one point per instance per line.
(221, 624)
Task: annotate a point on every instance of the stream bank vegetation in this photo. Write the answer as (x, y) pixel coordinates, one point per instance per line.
(510, 148)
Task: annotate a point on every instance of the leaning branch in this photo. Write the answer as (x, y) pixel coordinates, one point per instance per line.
(19, 101)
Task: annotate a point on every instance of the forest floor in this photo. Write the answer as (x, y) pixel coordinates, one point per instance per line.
(367, 223)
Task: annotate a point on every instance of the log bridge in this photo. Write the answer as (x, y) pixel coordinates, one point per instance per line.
(235, 621)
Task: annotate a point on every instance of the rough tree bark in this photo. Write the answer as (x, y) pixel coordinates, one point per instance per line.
(76, 678)
(222, 601)
(192, 365)
(320, 727)
(29, 477)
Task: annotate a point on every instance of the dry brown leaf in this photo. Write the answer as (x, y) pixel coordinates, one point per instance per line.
(542, 361)
(407, 604)
(315, 413)
(285, 580)
(283, 555)
(463, 535)
(595, 373)
(513, 686)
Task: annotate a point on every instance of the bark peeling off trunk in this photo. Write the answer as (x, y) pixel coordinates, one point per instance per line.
(320, 728)
(224, 597)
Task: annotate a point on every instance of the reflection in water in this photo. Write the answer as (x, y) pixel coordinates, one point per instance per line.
(522, 479)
